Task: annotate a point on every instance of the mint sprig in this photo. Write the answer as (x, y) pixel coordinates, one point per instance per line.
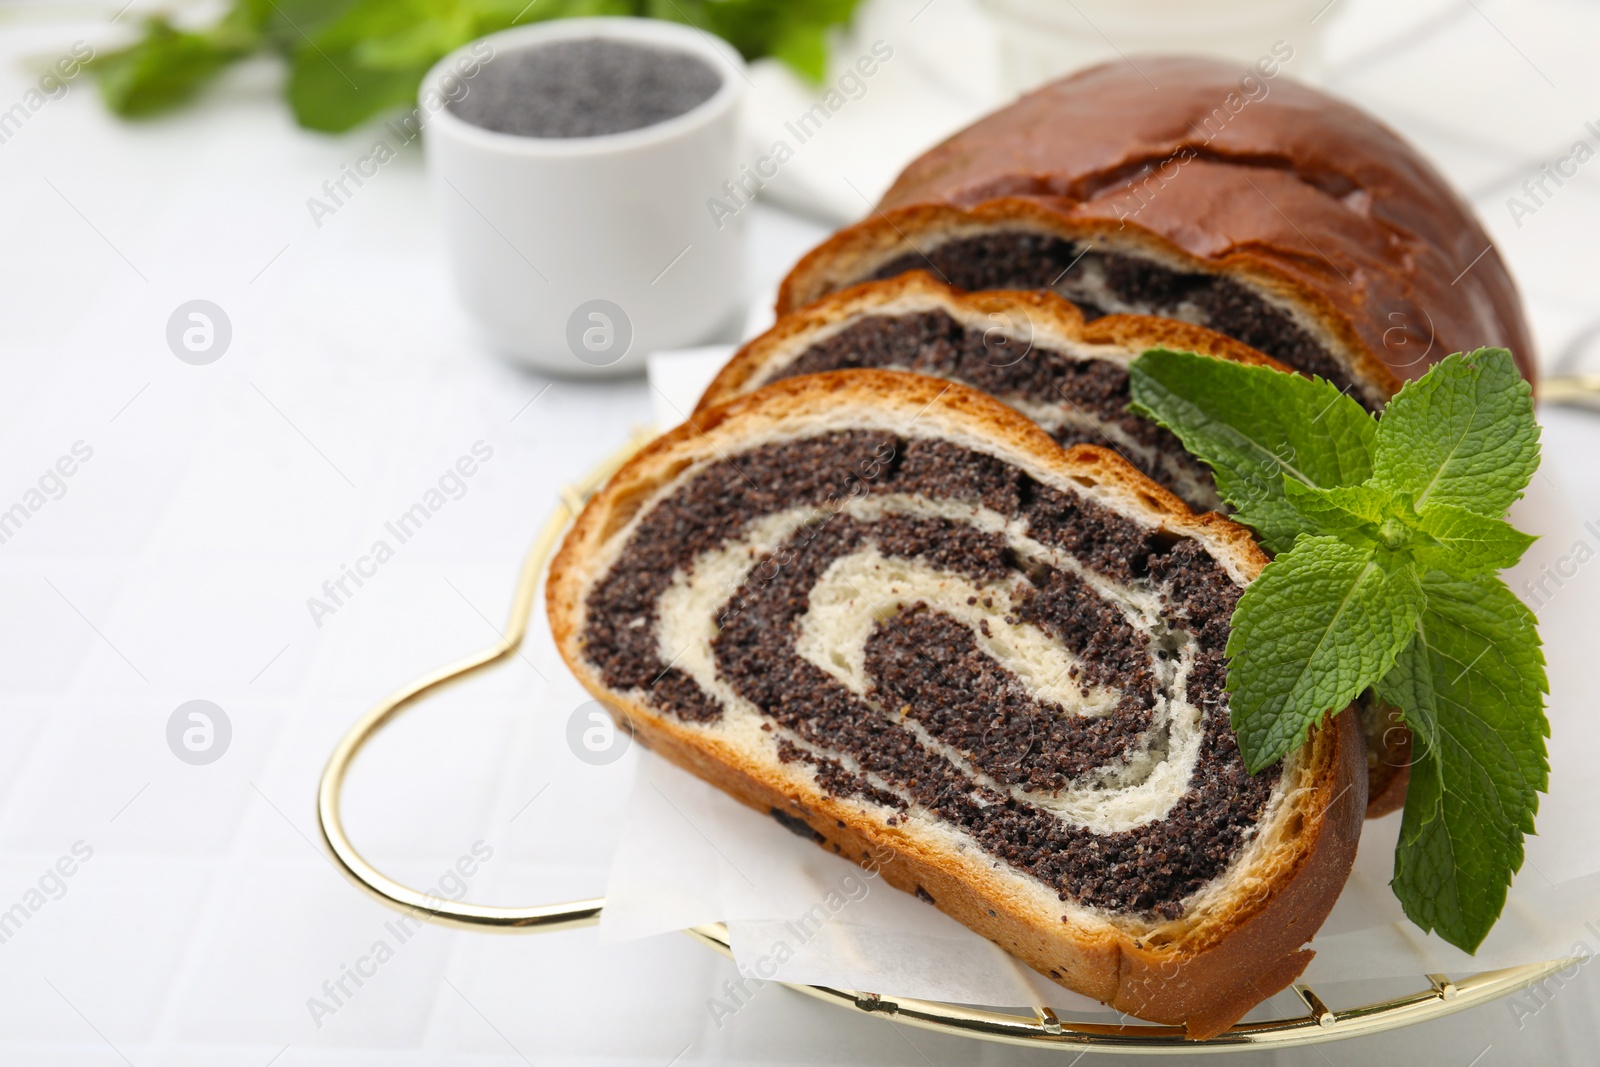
(1323, 623)
(1475, 677)
(1255, 434)
(1389, 535)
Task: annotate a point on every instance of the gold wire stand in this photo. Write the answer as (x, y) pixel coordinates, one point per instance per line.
(1038, 1027)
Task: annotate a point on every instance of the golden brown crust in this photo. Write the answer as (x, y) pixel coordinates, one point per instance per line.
(1203, 976)
(1046, 313)
(1291, 182)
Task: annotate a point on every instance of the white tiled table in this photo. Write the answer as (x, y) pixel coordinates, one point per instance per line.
(178, 562)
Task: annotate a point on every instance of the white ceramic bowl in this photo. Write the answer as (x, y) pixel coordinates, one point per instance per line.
(581, 255)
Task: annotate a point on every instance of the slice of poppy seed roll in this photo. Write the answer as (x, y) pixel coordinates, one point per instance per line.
(1030, 349)
(893, 613)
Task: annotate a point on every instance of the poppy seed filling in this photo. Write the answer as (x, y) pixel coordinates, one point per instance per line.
(1104, 283)
(933, 634)
(1076, 400)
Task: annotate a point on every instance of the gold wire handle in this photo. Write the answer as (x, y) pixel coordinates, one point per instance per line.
(1038, 1026)
(426, 906)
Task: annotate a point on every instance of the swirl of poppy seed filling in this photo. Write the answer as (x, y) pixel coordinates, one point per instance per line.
(961, 576)
(1105, 283)
(1076, 400)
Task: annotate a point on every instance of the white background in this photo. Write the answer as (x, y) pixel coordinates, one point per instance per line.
(178, 564)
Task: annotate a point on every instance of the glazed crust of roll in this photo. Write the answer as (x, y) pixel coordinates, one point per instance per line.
(1296, 191)
(1199, 973)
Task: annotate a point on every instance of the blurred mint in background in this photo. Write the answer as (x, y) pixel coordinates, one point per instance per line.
(352, 59)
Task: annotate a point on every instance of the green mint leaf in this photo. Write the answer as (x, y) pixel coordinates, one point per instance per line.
(1256, 427)
(803, 47)
(1465, 544)
(167, 66)
(794, 32)
(1409, 687)
(1462, 434)
(334, 87)
(1321, 623)
(334, 92)
(419, 45)
(1472, 684)
(1345, 510)
(286, 24)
